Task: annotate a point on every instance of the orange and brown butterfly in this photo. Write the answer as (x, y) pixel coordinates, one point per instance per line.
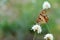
(42, 18)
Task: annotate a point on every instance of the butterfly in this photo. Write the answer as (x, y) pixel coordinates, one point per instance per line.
(42, 18)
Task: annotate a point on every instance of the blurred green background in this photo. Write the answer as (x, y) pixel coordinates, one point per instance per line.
(18, 16)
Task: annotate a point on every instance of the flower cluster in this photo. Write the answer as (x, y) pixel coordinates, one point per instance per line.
(37, 28)
(46, 5)
(48, 37)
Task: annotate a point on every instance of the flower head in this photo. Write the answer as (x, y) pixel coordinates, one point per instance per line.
(46, 5)
(37, 28)
(48, 37)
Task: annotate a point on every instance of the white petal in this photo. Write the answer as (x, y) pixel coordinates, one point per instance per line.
(39, 30)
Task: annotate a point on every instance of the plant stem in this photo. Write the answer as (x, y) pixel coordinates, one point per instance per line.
(34, 36)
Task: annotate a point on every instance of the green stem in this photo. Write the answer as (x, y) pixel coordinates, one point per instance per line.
(34, 36)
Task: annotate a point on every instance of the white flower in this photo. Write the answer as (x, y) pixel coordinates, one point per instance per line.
(46, 5)
(48, 37)
(37, 28)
